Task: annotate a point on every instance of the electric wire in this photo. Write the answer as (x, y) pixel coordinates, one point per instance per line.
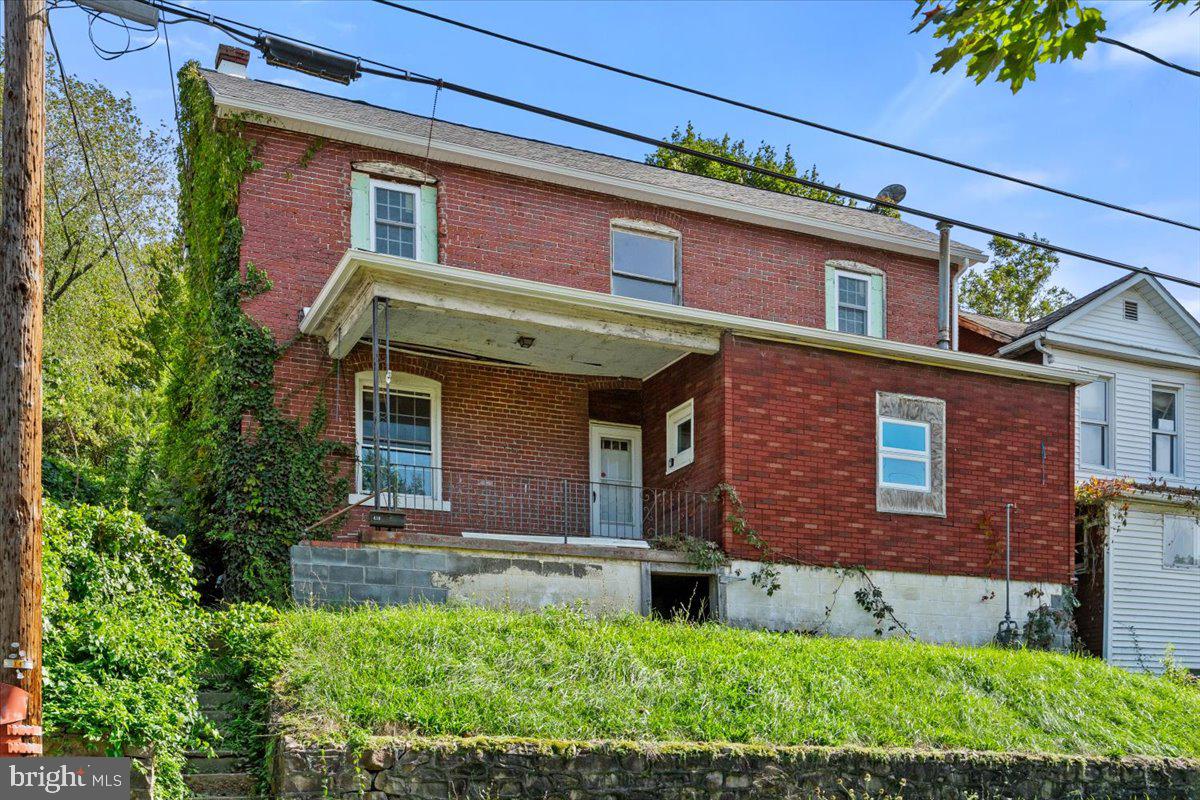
(792, 118)
(382, 69)
(1149, 55)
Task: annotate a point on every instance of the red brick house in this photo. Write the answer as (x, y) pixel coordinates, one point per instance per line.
(573, 351)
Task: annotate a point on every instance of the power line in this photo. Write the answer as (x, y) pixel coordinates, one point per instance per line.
(1151, 56)
(84, 146)
(388, 71)
(791, 118)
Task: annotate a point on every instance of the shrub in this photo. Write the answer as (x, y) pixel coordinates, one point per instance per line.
(122, 637)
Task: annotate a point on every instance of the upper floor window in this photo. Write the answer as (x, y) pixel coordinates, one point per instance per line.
(1093, 424)
(853, 303)
(854, 298)
(394, 219)
(1181, 541)
(645, 265)
(1164, 431)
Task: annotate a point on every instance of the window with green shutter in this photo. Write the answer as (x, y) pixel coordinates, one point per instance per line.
(396, 219)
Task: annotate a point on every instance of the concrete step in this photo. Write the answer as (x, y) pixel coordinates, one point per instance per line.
(207, 764)
(221, 784)
(218, 752)
(214, 699)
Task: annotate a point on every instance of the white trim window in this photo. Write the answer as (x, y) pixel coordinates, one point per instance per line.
(1164, 430)
(904, 454)
(1094, 432)
(645, 265)
(853, 302)
(1181, 541)
(681, 436)
(410, 440)
(395, 219)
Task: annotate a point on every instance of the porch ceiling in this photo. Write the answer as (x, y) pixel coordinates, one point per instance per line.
(442, 317)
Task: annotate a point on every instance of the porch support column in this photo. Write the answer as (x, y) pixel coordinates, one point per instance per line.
(375, 303)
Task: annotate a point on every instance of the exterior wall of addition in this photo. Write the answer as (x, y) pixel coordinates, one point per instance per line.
(801, 444)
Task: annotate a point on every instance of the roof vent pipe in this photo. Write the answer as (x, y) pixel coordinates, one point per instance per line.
(943, 285)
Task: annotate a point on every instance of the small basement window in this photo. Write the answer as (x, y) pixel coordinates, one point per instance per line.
(681, 436)
(687, 597)
(1181, 541)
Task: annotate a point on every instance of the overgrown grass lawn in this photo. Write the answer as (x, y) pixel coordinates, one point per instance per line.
(562, 675)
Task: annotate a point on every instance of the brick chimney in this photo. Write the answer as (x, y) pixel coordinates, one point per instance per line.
(232, 60)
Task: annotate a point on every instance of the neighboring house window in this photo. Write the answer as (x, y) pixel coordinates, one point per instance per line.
(1093, 424)
(910, 454)
(1181, 541)
(853, 303)
(394, 219)
(409, 438)
(1164, 431)
(855, 295)
(645, 265)
(681, 436)
(904, 454)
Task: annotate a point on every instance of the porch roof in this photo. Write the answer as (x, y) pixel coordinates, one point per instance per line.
(476, 314)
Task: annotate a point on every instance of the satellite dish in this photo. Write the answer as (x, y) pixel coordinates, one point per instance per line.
(892, 193)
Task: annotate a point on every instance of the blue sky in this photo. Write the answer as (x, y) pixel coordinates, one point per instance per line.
(1113, 125)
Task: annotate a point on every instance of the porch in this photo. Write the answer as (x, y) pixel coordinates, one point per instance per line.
(497, 416)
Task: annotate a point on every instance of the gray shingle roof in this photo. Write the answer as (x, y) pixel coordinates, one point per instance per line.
(227, 88)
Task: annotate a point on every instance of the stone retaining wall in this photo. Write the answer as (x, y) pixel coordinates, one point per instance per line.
(493, 769)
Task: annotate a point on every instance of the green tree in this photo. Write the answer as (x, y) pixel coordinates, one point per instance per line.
(1015, 284)
(100, 388)
(765, 156)
(1012, 37)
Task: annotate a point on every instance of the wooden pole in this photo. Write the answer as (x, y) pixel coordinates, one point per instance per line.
(21, 286)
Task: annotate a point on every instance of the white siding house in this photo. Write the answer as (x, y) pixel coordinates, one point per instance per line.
(1141, 421)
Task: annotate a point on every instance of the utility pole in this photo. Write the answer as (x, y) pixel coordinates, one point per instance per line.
(21, 286)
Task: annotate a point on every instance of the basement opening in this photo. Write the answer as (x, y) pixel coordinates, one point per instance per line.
(681, 596)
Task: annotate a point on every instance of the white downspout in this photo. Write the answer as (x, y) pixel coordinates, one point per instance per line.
(943, 341)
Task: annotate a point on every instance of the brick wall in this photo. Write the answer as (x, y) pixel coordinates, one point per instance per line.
(801, 451)
(297, 221)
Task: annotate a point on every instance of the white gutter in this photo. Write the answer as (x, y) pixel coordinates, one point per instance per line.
(1128, 352)
(587, 303)
(374, 136)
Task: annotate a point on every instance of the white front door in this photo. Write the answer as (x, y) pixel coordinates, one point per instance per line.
(616, 481)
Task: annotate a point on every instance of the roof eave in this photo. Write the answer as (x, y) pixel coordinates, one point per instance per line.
(466, 155)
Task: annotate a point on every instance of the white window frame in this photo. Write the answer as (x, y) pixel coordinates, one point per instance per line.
(1105, 424)
(416, 384)
(651, 231)
(904, 455)
(1176, 435)
(863, 277)
(1188, 521)
(675, 458)
(407, 188)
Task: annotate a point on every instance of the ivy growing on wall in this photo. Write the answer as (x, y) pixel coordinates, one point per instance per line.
(246, 476)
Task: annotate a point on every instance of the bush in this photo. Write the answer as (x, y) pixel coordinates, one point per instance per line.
(122, 637)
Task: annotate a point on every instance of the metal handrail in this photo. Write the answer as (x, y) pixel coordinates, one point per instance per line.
(457, 501)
